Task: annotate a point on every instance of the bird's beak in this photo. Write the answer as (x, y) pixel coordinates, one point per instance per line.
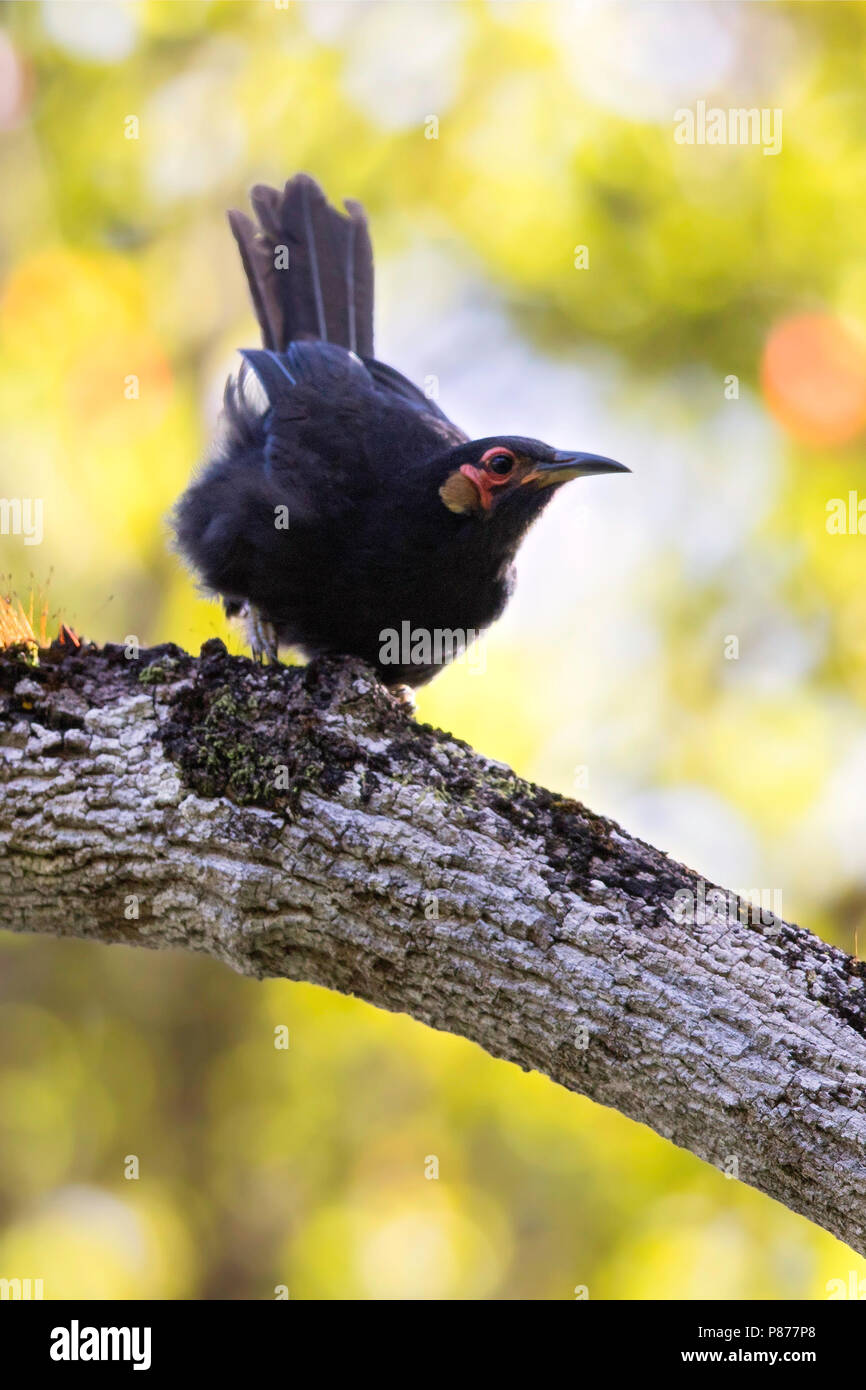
(564, 466)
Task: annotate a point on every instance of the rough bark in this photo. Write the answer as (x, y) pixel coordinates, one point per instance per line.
(298, 822)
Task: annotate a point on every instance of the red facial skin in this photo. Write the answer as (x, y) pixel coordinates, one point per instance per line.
(485, 481)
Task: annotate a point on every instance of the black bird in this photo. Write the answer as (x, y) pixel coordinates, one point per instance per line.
(347, 514)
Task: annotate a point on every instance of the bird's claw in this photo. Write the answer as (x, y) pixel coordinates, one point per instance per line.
(405, 696)
(262, 637)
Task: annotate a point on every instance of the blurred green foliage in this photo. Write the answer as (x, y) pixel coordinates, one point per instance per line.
(305, 1167)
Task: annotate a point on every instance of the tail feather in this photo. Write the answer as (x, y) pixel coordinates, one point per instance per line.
(326, 289)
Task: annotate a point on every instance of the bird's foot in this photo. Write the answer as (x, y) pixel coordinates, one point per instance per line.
(262, 636)
(405, 696)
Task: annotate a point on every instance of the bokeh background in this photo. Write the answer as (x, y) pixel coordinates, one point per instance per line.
(713, 342)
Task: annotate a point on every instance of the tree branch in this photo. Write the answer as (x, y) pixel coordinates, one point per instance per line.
(296, 822)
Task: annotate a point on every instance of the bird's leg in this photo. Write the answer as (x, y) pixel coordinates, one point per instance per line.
(261, 635)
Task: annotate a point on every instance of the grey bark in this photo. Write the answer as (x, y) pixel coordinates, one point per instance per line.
(297, 822)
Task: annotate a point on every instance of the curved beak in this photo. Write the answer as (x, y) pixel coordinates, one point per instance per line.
(564, 466)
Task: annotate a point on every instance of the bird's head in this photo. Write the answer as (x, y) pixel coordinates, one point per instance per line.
(509, 479)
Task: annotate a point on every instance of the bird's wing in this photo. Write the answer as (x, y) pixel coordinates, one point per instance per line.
(391, 382)
(287, 464)
(320, 405)
(305, 370)
(309, 267)
(335, 441)
(351, 409)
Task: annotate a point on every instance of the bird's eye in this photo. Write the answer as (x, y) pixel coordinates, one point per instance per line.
(500, 463)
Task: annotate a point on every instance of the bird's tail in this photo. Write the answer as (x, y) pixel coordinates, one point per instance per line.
(309, 267)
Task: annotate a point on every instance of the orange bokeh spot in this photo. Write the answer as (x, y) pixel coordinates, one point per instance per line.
(122, 381)
(813, 376)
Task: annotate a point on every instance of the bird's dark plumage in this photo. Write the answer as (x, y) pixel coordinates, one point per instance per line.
(326, 291)
(346, 507)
